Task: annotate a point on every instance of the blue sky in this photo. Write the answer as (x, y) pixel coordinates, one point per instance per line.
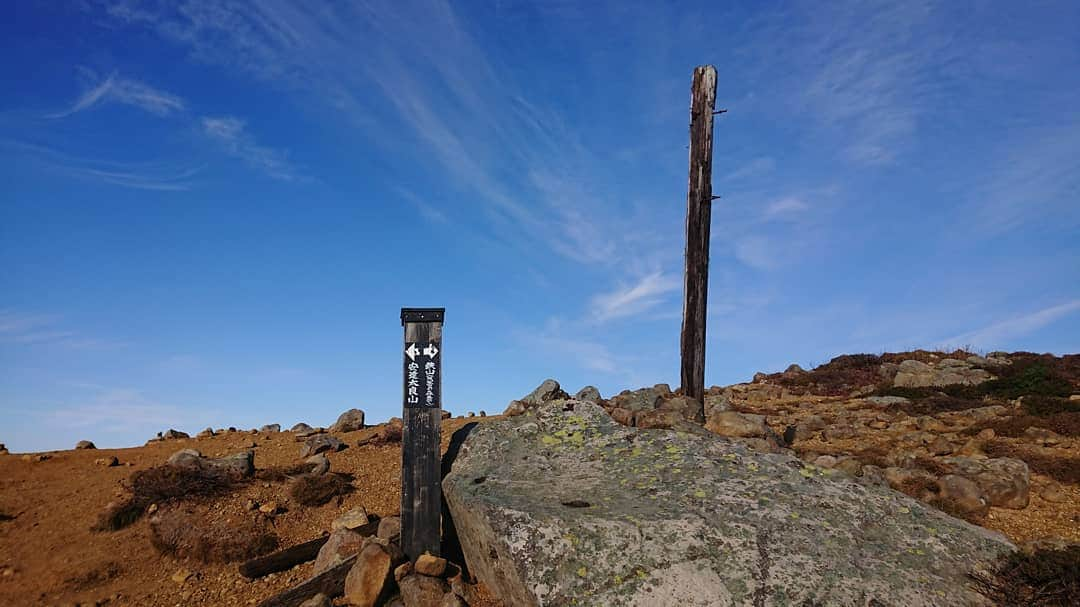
(212, 212)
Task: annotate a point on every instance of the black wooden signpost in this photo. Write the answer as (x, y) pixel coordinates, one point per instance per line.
(421, 492)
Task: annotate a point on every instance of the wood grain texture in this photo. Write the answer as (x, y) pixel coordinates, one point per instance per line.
(698, 218)
(421, 491)
(330, 582)
(283, 559)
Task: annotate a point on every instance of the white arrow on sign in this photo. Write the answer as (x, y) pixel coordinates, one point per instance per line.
(412, 351)
(430, 351)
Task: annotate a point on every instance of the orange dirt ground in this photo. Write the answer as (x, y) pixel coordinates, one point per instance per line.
(49, 555)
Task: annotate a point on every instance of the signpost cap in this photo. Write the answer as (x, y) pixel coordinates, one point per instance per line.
(422, 315)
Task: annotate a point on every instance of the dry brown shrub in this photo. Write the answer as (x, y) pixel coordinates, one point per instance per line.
(185, 534)
(163, 484)
(1063, 469)
(1044, 578)
(318, 490)
(1065, 424)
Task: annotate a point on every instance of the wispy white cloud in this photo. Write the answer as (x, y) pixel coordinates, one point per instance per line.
(33, 329)
(631, 300)
(1002, 332)
(116, 89)
(117, 410)
(139, 176)
(230, 132)
(785, 208)
(757, 167)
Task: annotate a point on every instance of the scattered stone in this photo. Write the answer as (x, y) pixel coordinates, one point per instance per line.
(207, 433)
(547, 391)
(444, 414)
(3, 449)
(349, 421)
(427, 564)
(1005, 481)
(238, 464)
(36, 457)
(589, 393)
(182, 575)
(470, 414)
(402, 570)
(422, 590)
(270, 508)
(963, 494)
(884, 402)
(108, 462)
(369, 579)
(687, 407)
(271, 428)
(85, 444)
(1052, 492)
(735, 424)
(321, 443)
(320, 464)
(666, 514)
(946, 372)
(389, 528)
(623, 416)
(353, 519)
(878, 424)
(482, 413)
(715, 403)
(302, 429)
(658, 419)
(838, 432)
(251, 504)
(342, 544)
(171, 434)
(807, 429)
(794, 369)
(940, 446)
(645, 399)
(986, 434)
(825, 461)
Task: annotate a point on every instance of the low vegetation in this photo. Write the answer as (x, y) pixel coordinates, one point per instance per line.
(1043, 578)
(186, 534)
(159, 485)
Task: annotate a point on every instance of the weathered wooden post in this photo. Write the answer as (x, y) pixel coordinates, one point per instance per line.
(698, 217)
(421, 492)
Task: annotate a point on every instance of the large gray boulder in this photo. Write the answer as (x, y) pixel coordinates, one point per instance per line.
(349, 421)
(946, 372)
(547, 391)
(565, 506)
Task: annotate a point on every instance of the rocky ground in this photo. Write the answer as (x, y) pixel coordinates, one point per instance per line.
(992, 440)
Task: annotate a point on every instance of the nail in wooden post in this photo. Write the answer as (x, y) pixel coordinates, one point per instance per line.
(698, 218)
(421, 492)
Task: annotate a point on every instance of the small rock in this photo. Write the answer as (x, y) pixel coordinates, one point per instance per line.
(940, 446)
(369, 578)
(402, 570)
(302, 429)
(320, 464)
(963, 494)
(353, 519)
(427, 564)
(825, 461)
(85, 444)
(687, 407)
(422, 590)
(349, 421)
(108, 462)
(389, 528)
(1053, 492)
(735, 424)
(482, 413)
(807, 429)
(589, 393)
(838, 432)
(269, 508)
(319, 444)
(207, 433)
(658, 418)
(623, 416)
(986, 434)
(878, 424)
(342, 544)
(271, 428)
(251, 505)
(174, 434)
(1006, 481)
(182, 575)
